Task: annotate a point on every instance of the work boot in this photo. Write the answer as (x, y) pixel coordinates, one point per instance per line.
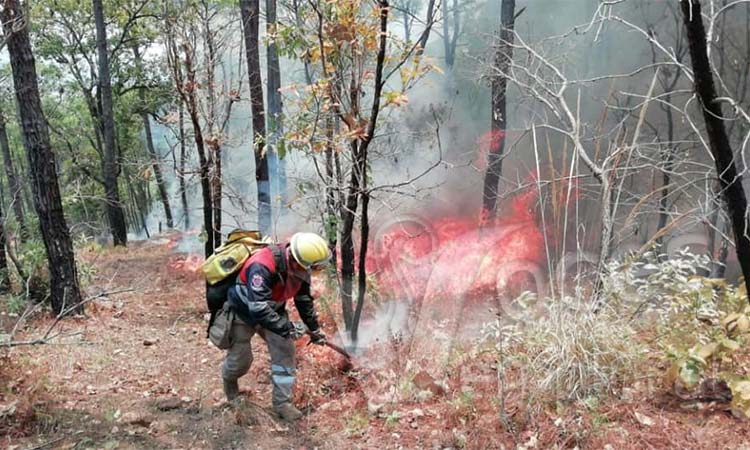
(231, 389)
(288, 412)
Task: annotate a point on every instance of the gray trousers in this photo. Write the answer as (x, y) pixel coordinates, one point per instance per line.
(239, 357)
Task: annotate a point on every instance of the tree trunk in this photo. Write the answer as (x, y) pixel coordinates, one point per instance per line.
(498, 120)
(276, 162)
(62, 267)
(250, 13)
(331, 223)
(360, 159)
(428, 27)
(450, 37)
(667, 157)
(730, 180)
(192, 107)
(446, 36)
(4, 276)
(348, 214)
(139, 212)
(183, 163)
(110, 167)
(13, 185)
(214, 135)
(155, 164)
(408, 20)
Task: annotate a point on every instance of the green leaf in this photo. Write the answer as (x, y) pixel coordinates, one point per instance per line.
(281, 148)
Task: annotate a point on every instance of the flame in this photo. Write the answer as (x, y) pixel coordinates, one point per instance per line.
(187, 263)
(455, 257)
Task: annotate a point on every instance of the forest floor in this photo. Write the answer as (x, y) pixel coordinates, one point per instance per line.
(138, 372)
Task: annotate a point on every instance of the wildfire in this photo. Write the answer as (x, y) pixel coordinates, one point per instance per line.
(187, 263)
(445, 258)
(454, 257)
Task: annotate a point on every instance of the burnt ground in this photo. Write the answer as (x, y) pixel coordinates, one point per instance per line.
(136, 372)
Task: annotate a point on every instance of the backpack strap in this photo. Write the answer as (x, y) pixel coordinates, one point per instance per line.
(279, 259)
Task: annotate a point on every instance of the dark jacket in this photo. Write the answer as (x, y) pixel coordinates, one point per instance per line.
(263, 287)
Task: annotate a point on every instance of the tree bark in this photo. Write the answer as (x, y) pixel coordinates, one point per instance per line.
(498, 120)
(250, 29)
(362, 170)
(4, 276)
(65, 293)
(276, 162)
(192, 107)
(730, 180)
(183, 163)
(185, 84)
(331, 223)
(667, 156)
(139, 212)
(450, 38)
(110, 169)
(428, 27)
(13, 185)
(155, 163)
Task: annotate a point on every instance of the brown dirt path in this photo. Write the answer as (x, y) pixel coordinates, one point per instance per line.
(141, 373)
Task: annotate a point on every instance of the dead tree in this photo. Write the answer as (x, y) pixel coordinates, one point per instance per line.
(730, 180)
(64, 288)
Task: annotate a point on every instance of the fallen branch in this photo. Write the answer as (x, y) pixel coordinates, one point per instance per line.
(48, 336)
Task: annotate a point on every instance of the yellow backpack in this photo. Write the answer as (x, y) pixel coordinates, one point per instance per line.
(230, 256)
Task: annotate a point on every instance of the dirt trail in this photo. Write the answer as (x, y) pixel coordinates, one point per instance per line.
(141, 374)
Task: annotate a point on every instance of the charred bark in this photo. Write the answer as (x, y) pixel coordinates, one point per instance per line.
(110, 166)
(730, 180)
(13, 185)
(64, 290)
(249, 10)
(498, 120)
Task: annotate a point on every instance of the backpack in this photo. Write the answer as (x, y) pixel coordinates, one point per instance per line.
(222, 267)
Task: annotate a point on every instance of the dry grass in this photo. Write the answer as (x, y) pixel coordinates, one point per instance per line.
(577, 351)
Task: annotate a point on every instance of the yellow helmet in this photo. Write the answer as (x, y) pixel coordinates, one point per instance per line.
(309, 250)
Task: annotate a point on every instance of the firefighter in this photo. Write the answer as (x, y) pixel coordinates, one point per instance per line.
(267, 280)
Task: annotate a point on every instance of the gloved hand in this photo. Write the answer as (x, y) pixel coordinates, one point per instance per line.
(318, 337)
(298, 329)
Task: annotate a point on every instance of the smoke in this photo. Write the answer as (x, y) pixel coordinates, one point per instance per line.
(387, 322)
